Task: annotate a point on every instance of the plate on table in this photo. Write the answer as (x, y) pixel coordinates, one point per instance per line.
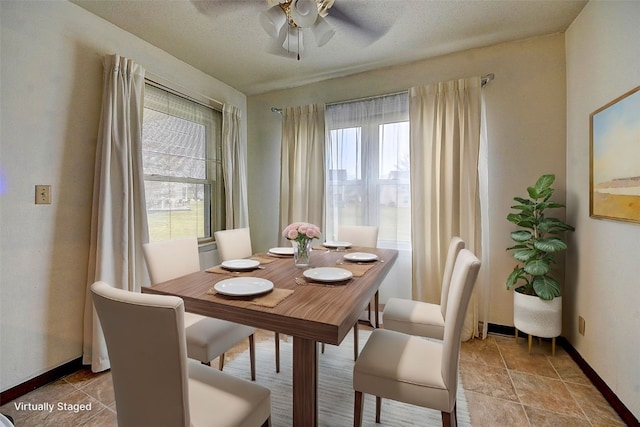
(360, 257)
(327, 274)
(243, 286)
(285, 251)
(240, 264)
(336, 244)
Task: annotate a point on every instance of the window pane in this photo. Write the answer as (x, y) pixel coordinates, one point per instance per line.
(173, 146)
(395, 197)
(176, 209)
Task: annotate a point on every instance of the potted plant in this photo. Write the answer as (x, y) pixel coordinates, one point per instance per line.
(537, 301)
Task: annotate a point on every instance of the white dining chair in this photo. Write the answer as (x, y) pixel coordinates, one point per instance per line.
(236, 244)
(423, 318)
(207, 337)
(154, 382)
(365, 236)
(414, 370)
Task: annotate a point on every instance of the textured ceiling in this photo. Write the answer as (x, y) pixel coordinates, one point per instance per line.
(224, 39)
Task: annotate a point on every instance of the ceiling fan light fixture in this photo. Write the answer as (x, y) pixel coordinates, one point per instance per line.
(322, 31)
(303, 12)
(272, 20)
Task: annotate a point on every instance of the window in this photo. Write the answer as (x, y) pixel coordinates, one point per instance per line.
(181, 156)
(368, 167)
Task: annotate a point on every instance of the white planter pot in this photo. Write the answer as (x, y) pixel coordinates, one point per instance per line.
(537, 317)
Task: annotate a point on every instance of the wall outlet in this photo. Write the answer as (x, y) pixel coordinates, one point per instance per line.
(581, 325)
(43, 194)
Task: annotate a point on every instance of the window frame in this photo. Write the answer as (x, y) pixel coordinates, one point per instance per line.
(370, 133)
(214, 198)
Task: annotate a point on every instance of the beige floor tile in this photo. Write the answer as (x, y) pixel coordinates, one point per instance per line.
(541, 418)
(545, 393)
(486, 411)
(594, 405)
(518, 358)
(488, 380)
(482, 351)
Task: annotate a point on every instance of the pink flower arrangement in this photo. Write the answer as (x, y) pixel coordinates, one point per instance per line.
(301, 231)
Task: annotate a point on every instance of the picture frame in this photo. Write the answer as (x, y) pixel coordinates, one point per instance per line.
(614, 178)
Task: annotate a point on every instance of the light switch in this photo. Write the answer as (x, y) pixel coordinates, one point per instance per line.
(43, 194)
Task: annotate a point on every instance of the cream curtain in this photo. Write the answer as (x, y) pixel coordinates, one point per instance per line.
(234, 169)
(119, 219)
(303, 166)
(445, 141)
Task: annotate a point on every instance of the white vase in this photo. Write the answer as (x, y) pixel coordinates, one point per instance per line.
(536, 316)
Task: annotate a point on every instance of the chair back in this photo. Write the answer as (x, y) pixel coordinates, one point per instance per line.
(465, 272)
(233, 244)
(145, 339)
(455, 246)
(169, 259)
(359, 235)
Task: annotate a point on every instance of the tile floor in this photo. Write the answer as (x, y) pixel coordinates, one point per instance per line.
(504, 384)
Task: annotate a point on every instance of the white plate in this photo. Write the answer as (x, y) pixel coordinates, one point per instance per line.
(360, 257)
(336, 244)
(240, 264)
(242, 286)
(282, 251)
(327, 274)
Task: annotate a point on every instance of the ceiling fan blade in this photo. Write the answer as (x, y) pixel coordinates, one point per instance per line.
(370, 31)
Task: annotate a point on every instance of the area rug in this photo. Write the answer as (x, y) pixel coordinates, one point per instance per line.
(335, 388)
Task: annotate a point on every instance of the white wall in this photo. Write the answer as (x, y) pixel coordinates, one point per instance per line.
(603, 282)
(526, 116)
(50, 100)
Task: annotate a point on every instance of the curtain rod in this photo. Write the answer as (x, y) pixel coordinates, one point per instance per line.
(483, 81)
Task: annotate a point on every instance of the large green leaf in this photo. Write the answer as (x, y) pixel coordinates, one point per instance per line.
(525, 255)
(537, 267)
(550, 244)
(546, 287)
(521, 235)
(516, 275)
(544, 182)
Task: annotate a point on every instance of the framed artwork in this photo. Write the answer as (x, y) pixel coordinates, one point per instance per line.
(615, 159)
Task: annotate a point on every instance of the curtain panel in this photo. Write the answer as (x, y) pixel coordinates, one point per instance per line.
(445, 141)
(302, 171)
(119, 219)
(234, 169)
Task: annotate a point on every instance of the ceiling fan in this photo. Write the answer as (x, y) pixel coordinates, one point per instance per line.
(286, 20)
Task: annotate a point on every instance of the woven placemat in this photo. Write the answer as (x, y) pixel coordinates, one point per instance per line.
(271, 299)
(357, 269)
(221, 270)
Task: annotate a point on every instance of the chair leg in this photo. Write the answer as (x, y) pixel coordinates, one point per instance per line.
(553, 346)
(357, 409)
(277, 339)
(376, 306)
(252, 356)
(355, 341)
(450, 419)
(378, 408)
(221, 361)
(530, 342)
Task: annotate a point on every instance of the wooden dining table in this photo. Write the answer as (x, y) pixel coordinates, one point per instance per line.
(311, 312)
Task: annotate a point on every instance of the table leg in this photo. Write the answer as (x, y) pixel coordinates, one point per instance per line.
(305, 382)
